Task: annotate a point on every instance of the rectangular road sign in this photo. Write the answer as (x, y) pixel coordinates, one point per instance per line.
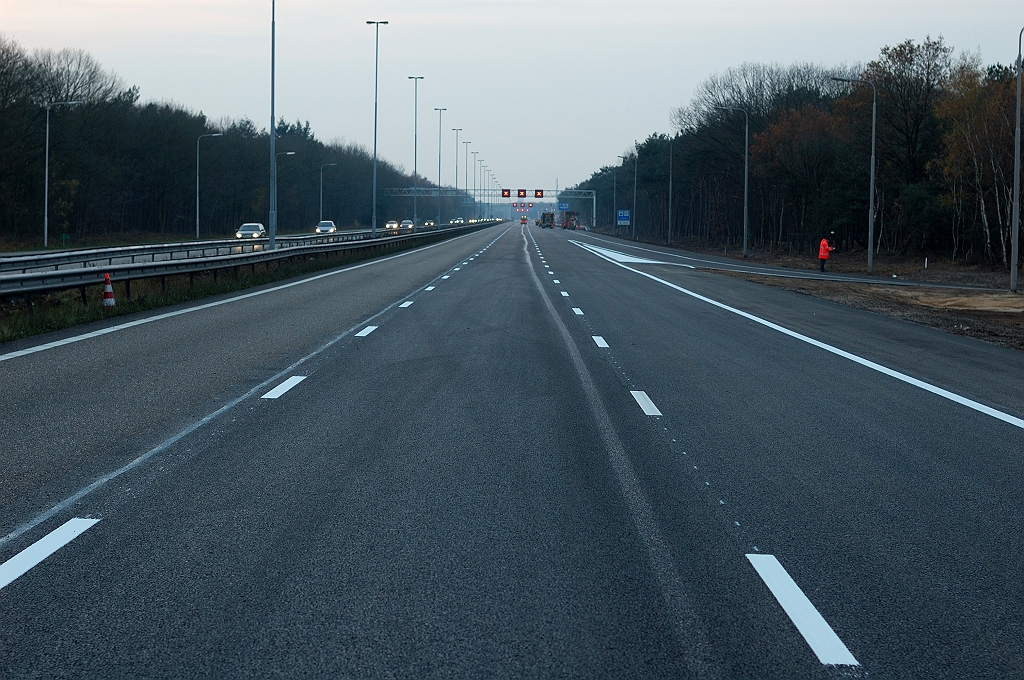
(623, 218)
(563, 206)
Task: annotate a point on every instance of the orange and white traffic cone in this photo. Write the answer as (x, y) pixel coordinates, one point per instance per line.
(108, 292)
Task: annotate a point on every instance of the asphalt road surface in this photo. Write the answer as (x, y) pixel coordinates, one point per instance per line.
(519, 453)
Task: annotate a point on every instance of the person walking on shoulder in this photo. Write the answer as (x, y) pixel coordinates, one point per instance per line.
(823, 250)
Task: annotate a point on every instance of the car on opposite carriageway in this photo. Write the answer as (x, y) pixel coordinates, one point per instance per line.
(325, 227)
(250, 230)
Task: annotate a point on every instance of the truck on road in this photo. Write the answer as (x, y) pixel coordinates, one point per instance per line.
(547, 220)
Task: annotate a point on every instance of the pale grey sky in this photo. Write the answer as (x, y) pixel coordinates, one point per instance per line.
(544, 89)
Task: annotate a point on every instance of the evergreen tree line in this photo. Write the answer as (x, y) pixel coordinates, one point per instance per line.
(118, 166)
(944, 154)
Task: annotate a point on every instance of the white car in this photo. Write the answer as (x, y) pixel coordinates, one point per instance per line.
(392, 224)
(325, 227)
(251, 230)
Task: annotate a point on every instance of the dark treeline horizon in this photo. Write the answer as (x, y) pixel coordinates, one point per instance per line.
(118, 166)
(944, 174)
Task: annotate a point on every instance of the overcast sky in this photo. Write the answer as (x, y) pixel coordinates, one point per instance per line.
(546, 90)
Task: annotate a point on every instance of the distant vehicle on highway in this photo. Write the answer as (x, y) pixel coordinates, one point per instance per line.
(392, 224)
(429, 223)
(523, 220)
(325, 227)
(407, 224)
(457, 220)
(250, 230)
(547, 220)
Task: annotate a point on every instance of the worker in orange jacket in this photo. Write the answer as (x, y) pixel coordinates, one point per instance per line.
(823, 250)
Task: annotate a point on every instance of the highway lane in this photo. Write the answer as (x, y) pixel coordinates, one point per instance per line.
(471, 488)
(77, 411)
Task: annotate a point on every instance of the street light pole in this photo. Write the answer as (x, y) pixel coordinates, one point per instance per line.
(456, 131)
(415, 146)
(439, 163)
(474, 184)
(215, 134)
(376, 65)
(272, 221)
(325, 165)
(615, 206)
(871, 190)
(636, 166)
(466, 145)
(668, 240)
(46, 178)
(746, 170)
(1014, 242)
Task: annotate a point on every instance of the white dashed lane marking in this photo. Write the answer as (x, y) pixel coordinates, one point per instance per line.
(556, 281)
(43, 548)
(445, 276)
(457, 269)
(407, 303)
(823, 641)
(286, 385)
(577, 311)
(599, 341)
(429, 288)
(366, 331)
(564, 294)
(645, 403)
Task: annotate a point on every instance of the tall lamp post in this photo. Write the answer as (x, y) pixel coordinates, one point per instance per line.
(466, 171)
(668, 239)
(615, 194)
(376, 65)
(1016, 176)
(325, 165)
(636, 166)
(456, 131)
(871, 190)
(46, 179)
(213, 134)
(746, 170)
(272, 221)
(415, 146)
(474, 185)
(439, 163)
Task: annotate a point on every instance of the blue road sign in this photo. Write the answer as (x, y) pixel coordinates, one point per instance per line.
(623, 218)
(563, 206)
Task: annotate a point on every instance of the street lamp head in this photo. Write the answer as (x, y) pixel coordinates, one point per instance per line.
(377, 22)
(416, 77)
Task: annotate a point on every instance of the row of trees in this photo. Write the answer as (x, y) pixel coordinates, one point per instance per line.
(944, 158)
(120, 166)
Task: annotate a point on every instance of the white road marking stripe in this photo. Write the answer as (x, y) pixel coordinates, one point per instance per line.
(445, 276)
(564, 294)
(429, 288)
(366, 331)
(600, 342)
(578, 311)
(556, 281)
(284, 387)
(408, 303)
(457, 269)
(867, 363)
(43, 548)
(645, 403)
(819, 635)
(552, 273)
(209, 305)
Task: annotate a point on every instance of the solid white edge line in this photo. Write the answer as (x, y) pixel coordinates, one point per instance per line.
(822, 640)
(159, 317)
(43, 548)
(407, 303)
(284, 387)
(867, 363)
(599, 341)
(645, 403)
(366, 331)
(577, 311)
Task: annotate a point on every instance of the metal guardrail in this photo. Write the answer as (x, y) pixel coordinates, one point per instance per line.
(95, 257)
(51, 281)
